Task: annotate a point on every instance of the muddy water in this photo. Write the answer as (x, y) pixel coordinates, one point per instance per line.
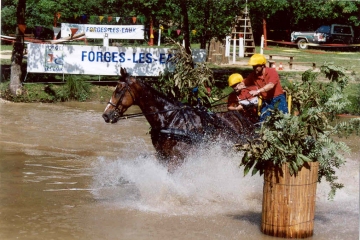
(65, 174)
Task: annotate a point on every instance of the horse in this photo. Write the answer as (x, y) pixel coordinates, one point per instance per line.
(176, 128)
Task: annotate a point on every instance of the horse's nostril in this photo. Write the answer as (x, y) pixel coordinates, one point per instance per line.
(106, 118)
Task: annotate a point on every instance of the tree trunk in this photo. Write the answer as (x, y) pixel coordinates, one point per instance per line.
(184, 12)
(204, 37)
(18, 49)
(264, 32)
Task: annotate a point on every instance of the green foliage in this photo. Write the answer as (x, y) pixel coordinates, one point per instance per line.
(307, 135)
(8, 19)
(353, 93)
(48, 93)
(74, 89)
(211, 21)
(347, 128)
(30, 93)
(186, 76)
(41, 12)
(214, 20)
(303, 15)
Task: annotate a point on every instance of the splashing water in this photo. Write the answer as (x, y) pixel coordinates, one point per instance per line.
(210, 181)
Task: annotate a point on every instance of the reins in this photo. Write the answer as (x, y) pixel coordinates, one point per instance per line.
(126, 116)
(191, 131)
(133, 115)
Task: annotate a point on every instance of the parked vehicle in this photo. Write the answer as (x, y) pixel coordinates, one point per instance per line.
(334, 33)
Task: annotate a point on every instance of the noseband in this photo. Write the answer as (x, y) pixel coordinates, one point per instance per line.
(123, 91)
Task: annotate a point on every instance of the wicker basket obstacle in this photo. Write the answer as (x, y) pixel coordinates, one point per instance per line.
(289, 201)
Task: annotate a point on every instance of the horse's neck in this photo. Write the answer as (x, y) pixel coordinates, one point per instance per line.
(154, 106)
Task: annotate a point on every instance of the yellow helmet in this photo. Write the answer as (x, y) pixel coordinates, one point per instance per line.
(257, 59)
(234, 79)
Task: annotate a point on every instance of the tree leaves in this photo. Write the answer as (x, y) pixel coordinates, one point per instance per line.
(306, 136)
(188, 81)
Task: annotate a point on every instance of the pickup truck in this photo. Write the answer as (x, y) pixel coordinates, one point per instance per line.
(334, 33)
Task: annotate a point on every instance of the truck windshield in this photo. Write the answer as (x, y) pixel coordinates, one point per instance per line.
(323, 29)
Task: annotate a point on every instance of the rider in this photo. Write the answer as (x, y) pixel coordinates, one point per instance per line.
(241, 99)
(269, 87)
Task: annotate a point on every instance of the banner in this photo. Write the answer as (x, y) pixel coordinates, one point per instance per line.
(97, 60)
(99, 31)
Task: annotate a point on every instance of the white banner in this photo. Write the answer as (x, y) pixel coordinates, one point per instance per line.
(96, 60)
(99, 31)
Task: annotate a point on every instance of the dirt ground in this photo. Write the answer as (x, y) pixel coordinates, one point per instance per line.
(5, 54)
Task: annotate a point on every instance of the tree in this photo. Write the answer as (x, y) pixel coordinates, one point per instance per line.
(17, 53)
(286, 16)
(184, 12)
(209, 18)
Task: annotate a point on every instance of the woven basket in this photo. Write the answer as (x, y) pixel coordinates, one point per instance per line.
(289, 201)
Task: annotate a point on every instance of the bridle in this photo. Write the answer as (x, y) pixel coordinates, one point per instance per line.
(127, 88)
(123, 91)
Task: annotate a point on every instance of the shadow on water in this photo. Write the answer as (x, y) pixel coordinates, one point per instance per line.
(248, 216)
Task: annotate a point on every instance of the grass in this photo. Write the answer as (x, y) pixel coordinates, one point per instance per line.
(6, 47)
(49, 93)
(350, 60)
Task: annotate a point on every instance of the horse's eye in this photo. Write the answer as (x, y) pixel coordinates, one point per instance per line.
(118, 88)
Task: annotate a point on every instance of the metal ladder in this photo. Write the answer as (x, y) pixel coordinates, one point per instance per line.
(242, 27)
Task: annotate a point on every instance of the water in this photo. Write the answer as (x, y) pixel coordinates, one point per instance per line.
(209, 183)
(65, 174)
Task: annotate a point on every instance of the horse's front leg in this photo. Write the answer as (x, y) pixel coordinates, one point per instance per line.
(174, 163)
(170, 160)
(170, 152)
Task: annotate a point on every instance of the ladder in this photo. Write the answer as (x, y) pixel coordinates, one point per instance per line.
(242, 27)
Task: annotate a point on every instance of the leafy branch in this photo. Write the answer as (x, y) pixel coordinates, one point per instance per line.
(186, 81)
(306, 134)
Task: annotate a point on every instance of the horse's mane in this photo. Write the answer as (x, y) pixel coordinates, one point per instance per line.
(155, 92)
(202, 123)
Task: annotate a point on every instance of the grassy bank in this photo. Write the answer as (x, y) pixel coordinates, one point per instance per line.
(348, 59)
(49, 93)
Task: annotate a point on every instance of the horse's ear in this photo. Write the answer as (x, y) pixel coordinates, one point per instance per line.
(123, 72)
(123, 75)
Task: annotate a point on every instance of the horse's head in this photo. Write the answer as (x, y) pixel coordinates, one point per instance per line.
(121, 99)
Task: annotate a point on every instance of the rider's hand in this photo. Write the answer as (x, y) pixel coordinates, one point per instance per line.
(240, 107)
(254, 92)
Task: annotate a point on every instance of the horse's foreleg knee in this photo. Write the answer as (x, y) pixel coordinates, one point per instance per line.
(174, 163)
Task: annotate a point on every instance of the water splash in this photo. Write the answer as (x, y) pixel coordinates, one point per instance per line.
(210, 181)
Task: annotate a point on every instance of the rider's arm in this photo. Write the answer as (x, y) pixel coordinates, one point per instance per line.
(265, 88)
(233, 102)
(233, 107)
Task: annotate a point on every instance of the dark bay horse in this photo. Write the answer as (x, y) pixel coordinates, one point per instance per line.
(176, 128)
